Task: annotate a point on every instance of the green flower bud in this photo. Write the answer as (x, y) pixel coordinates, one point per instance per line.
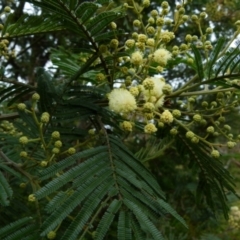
(214, 104)
(164, 4)
(51, 235)
(197, 118)
(56, 135)
(31, 198)
(151, 20)
(174, 131)
(43, 163)
(71, 150)
(160, 124)
(231, 144)
(203, 14)
(210, 129)
(22, 185)
(55, 150)
(190, 134)
(154, 13)
(146, 3)
(136, 23)
(21, 106)
(227, 127)
(195, 140)
(221, 119)
(23, 154)
(35, 97)
(194, 18)
(23, 140)
(7, 9)
(209, 30)
(167, 89)
(176, 113)
(58, 144)
(215, 154)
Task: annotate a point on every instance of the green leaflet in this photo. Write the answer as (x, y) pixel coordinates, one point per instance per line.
(107, 219)
(198, 61)
(124, 230)
(36, 25)
(5, 191)
(14, 226)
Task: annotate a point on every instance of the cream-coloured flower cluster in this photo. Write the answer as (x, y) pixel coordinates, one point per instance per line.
(129, 103)
(234, 217)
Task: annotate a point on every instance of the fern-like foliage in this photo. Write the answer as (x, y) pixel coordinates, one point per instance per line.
(110, 182)
(214, 179)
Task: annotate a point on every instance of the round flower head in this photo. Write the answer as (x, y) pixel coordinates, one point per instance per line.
(167, 117)
(161, 56)
(150, 128)
(137, 58)
(121, 101)
(156, 92)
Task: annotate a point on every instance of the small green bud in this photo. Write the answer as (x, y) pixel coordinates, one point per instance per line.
(31, 198)
(43, 163)
(146, 3)
(195, 140)
(176, 113)
(164, 4)
(22, 185)
(35, 97)
(194, 37)
(227, 127)
(210, 129)
(167, 89)
(71, 150)
(181, 10)
(188, 38)
(55, 150)
(216, 134)
(23, 154)
(203, 14)
(136, 23)
(209, 30)
(21, 106)
(7, 9)
(51, 235)
(203, 122)
(151, 20)
(183, 47)
(23, 140)
(45, 118)
(190, 134)
(159, 21)
(215, 154)
(185, 18)
(230, 135)
(56, 135)
(114, 43)
(220, 95)
(154, 13)
(214, 104)
(58, 144)
(194, 17)
(221, 119)
(191, 100)
(174, 131)
(197, 118)
(231, 144)
(160, 124)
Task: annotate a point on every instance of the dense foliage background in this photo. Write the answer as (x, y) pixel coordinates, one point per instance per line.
(72, 166)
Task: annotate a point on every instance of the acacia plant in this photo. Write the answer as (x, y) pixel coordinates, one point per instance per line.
(92, 147)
